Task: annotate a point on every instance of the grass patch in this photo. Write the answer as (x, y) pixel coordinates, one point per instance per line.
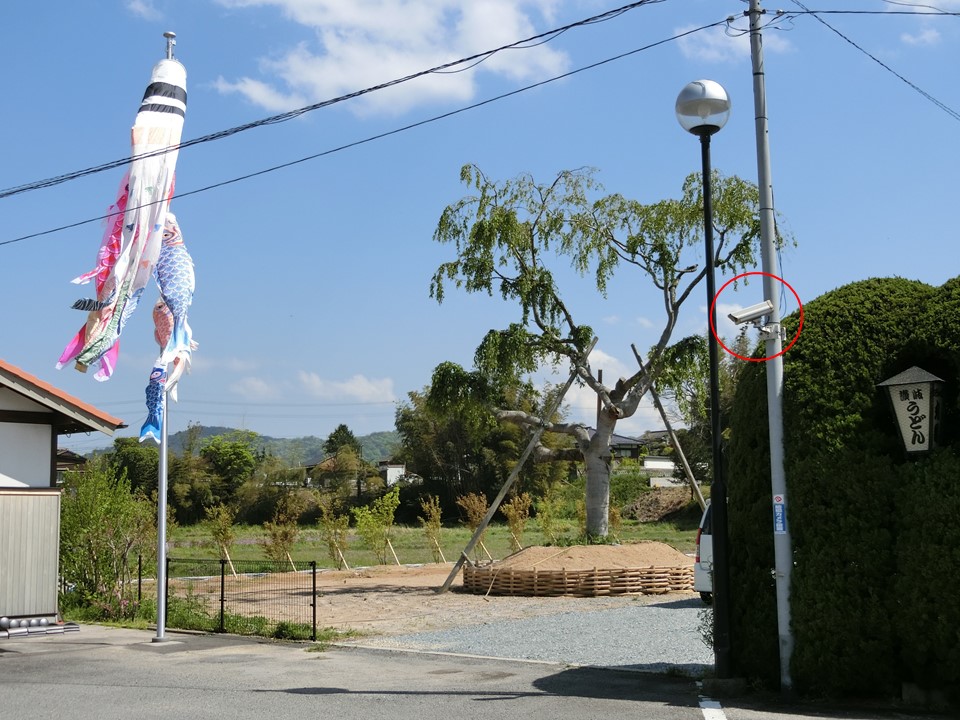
(412, 547)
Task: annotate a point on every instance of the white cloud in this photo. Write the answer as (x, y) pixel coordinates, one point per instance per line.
(645, 418)
(260, 94)
(713, 45)
(364, 43)
(716, 46)
(144, 8)
(929, 36)
(357, 388)
(933, 7)
(643, 322)
(253, 388)
(611, 320)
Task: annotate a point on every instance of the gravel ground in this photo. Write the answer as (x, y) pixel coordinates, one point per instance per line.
(651, 636)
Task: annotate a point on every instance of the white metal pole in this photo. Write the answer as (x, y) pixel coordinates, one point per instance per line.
(783, 554)
(162, 527)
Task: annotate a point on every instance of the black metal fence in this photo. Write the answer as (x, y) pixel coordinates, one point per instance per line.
(249, 597)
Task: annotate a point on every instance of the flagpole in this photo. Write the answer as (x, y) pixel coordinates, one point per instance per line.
(162, 527)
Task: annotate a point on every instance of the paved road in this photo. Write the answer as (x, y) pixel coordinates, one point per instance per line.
(112, 674)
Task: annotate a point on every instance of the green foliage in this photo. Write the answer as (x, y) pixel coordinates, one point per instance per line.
(475, 509)
(615, 522)
(334, 529)
(231, 463)
(627, 484)
(220, 522)
(871, 531)
(102, 528)
(457, 445)
(257, 499)
(139, 461)
(517, 512)
(375, 521)
(430, 520)
(547, 515)
(924, 599)
(843, 549)
(347, 473)
(282, 532)
(341, 437)
(190, 481)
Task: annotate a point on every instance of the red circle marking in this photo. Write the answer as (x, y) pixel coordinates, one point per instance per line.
(713, 328)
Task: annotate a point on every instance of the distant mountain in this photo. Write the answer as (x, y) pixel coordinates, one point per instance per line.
(296, 451)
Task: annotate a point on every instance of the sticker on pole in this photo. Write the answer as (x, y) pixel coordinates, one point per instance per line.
(780, 514)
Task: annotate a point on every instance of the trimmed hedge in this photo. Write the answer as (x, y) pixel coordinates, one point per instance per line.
(872, 599)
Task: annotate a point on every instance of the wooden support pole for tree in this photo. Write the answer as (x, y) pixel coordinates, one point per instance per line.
(440, 550)
(485, 551)
(291, 562)
(226, 554)
(394, 552)
(534, 439)
(691, 480)
(342, 559)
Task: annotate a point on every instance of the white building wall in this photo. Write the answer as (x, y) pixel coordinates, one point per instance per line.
(25, 449)
(393, 473)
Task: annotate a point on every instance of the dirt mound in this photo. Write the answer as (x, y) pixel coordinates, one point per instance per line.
(657, 504)
(587, 557)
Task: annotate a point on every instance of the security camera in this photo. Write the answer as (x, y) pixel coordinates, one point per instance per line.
(752, 313)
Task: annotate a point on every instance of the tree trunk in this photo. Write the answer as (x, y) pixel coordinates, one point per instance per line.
(596, 456)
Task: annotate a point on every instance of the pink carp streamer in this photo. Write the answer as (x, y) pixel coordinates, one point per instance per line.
(132, 240)
(142, 238)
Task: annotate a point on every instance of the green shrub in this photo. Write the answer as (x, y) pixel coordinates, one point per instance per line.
(924, 595)
(430, 520)
(190, 612)
(627, 484)
(375, 522)
(843, 540)
(285, 630)
(870, 529)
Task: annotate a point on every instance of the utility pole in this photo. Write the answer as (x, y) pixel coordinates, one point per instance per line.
(783, 554)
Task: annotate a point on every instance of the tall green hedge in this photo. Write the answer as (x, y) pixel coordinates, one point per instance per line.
(864, 583)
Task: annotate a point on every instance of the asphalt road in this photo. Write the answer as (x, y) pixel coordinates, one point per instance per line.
(103, 673)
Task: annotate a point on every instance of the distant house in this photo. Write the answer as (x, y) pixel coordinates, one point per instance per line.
(68, 461)
(655, 442)
(391, 472)
(315, 474)
(661, 470)
(33, 415)
(622, 446)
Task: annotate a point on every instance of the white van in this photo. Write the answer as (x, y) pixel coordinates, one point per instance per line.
(703, 565)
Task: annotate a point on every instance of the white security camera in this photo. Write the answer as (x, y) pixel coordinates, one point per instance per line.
(752, 313)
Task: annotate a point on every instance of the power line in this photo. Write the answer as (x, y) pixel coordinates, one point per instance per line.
(283, 117)
(816, 15)
(382, 135)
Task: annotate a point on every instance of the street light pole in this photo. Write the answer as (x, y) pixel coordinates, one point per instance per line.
(703, 109)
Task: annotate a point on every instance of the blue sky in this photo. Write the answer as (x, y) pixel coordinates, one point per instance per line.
(312, 306)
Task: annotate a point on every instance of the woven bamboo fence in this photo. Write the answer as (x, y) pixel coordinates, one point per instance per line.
(491, 580)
